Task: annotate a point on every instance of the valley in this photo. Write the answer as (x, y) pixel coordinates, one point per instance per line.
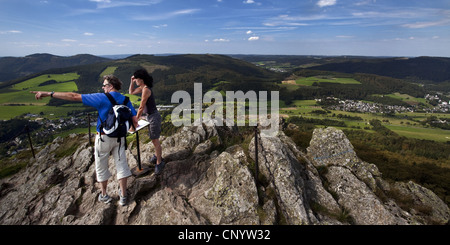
(371, 108)
(403, 113)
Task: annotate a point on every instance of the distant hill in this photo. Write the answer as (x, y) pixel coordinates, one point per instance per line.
(16, 67)
(179, 72)
(377, 75)
(421, 69)
(172, 73)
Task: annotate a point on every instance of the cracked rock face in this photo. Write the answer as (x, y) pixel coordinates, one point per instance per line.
(206, 183)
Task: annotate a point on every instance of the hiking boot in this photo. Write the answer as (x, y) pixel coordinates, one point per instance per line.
(122, 199)
(159, 168)
(153, 159)
(105, 198)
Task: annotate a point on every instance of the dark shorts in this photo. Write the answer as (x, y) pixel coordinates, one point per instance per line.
(154, 129)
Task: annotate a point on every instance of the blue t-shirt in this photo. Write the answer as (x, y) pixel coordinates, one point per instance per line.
(101, 102)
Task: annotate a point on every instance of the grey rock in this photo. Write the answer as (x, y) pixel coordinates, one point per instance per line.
(204, 183)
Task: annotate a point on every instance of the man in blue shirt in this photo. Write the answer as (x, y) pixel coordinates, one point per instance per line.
(104, 145)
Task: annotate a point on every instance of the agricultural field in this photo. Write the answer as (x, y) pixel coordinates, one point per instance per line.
(108, 70)
(20, 93)
(409, 126)
(294, 84)
(309, 81)
(18, 100)
(406, 98)
(435, 134)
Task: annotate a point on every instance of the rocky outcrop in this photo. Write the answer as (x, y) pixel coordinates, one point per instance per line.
(362, 193)
(207, 182)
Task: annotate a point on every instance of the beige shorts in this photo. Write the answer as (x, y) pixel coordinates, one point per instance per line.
(102, 151)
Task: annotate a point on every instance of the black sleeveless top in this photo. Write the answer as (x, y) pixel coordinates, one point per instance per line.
(151, 105)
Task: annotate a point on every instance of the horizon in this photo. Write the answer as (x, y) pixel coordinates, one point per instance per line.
(124, 56)
(375, 28)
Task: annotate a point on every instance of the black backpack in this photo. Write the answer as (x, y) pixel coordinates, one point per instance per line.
(118, 121)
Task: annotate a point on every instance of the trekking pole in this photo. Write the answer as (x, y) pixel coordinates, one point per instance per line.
(89, 127)
(138, 171)
(29, 139)
(256, 154)
(138, 151)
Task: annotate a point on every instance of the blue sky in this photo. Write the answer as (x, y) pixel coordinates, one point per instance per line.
(300, 27)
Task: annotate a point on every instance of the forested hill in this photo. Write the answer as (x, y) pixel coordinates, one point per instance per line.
(179, 72)
(423, 69)
(16, 67)
(173, 73)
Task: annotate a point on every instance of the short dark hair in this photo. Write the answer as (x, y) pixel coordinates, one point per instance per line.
(143, 74)
(114, 81)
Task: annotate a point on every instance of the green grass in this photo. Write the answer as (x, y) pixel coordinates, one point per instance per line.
(109, 70)
(436, 134)
(309, 81)
(25, 97)
(20, 93)
(406, 98)
(35, 82)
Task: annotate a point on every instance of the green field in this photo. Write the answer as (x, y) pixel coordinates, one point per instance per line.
(406, 98)
(435, 134)
(18, 100)
(309, 81)
(20, 93)
(108, 70)
(404, 127)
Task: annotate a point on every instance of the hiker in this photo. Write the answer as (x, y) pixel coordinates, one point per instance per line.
(104, 145)
(144, 84)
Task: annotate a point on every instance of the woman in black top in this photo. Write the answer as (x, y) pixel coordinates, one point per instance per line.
(144, 84)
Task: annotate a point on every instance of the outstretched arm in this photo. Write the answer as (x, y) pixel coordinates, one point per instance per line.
(59, 95)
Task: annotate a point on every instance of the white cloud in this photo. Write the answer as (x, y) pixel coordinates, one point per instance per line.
(325, 3)
(251, 2)
(160, 26)
(249, 32)
(428, 24)
(11, 32)
(253, 38)
(101, 4)
(68, 40)
(221, 40)
(88, 34)
(166, 16)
